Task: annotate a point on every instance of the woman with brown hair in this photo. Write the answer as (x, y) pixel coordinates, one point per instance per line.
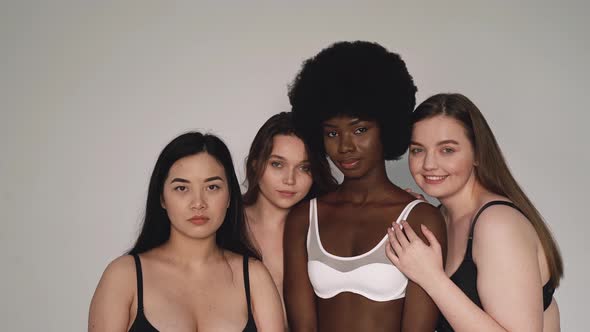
(279, 174)
(503, 262)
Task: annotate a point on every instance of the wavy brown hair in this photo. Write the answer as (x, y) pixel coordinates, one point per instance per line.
(261, 148)
(492, 171)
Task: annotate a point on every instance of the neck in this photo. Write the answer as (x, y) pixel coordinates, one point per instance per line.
(464, 202)
(265, 214)
(189, 251)
(361, 189)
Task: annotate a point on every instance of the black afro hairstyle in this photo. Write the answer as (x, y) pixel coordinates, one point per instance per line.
(358, 79)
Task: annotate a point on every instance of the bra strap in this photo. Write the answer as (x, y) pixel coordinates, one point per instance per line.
(406, 211)
(487, 205)
(139, 282)
(247, 285)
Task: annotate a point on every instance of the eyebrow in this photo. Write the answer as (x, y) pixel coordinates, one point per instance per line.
(447, 141)
(351, 123)
(276, 156)
(213, 178)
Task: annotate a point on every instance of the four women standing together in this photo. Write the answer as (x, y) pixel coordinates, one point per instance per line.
(362, 255)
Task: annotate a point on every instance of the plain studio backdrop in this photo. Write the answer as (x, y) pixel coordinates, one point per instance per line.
(90, 92)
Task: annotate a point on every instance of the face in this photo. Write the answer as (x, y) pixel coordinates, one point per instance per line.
(287, 177)
(196, 195)
(441, 156)
(354, 145)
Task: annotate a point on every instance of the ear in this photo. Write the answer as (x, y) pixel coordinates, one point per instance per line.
(162, 203)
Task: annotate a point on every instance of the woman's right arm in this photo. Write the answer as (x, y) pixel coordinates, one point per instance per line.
(298, 292)
(111, 303)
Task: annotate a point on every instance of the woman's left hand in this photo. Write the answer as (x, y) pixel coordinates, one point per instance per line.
(418, 261)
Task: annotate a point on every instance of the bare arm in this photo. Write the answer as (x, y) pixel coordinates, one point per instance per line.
(298, 292)
(509, 282)
(111, 303)
(266, 302)
(420, 311)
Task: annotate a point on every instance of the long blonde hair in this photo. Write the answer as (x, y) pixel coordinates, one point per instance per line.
(492, 171)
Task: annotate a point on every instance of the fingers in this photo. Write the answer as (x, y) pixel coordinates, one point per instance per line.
(389, 250)
(430, 237)
(394, 243)
(400, 236)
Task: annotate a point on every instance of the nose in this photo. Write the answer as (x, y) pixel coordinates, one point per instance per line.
(345, 144)
(429, 162)
(198, 202)
(289, 177)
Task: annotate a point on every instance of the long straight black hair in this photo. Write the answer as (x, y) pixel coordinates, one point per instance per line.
(155, 230)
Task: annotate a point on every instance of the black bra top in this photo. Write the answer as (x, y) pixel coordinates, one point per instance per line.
(466, 275)
(141, 323)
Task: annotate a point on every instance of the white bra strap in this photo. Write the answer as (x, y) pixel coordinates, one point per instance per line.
(313, 214)
(406, 212)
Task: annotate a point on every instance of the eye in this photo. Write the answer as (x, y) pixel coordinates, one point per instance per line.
(448, 150)
(416, 150)
(360, 130)
(213, 187)
(305, 168)
(332, 133)
(181, 188)
(276, 164)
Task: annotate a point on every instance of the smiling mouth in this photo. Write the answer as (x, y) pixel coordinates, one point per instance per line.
(434, 179)
(349, 164)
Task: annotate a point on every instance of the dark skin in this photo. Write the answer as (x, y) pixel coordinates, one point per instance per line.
(352, 221)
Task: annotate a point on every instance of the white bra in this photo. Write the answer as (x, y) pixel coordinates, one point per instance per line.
(371, 274)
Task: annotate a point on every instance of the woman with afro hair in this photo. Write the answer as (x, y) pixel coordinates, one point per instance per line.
(352, 103)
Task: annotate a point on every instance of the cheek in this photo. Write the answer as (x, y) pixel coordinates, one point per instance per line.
(461, 165)
(304, 181)
(414, 163)
(330, 145)
(270, 178)
(218, 203)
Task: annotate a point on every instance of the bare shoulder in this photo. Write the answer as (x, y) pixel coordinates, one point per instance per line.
(118, 282)
(120, 271)
(299, 211)
(298, 218)
(503, 222)
(426, 214)
(258, 272)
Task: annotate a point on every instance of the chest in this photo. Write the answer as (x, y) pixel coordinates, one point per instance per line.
(177, 303)
(457, 240)
(346, 231)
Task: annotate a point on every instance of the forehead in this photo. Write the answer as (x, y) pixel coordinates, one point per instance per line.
(288, 147)
(344, 120)
(197, 167)
(438, 128)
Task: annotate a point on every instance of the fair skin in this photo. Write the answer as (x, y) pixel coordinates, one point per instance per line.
(189, 283)
(510, 260)
(352, 220)
(286, 181)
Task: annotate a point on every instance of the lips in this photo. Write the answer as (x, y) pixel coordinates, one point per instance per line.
(434, 179)
(199, 220)
(287, 193)
(349, 163)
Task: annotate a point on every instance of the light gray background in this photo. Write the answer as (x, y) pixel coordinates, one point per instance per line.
(91, 92)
